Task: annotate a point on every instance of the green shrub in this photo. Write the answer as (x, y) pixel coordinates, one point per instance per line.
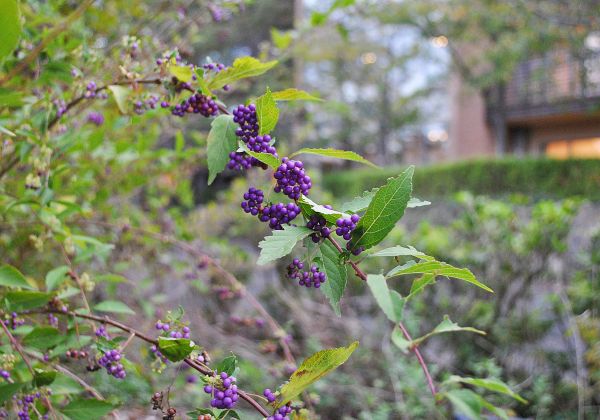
(540, 178)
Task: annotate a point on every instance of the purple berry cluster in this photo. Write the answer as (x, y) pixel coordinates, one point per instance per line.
(52, 320)
(319, 225)
(15, 321)
(111, 362)
(197, 103)
(291, 179)
(5, 374)
(282, 412)
(90, 90)
(61, 107)
(345, 226)
(95, 118)
(173, 332)
(225, 395)
(101, 332)
(154, 349)
(276, 214)
(310, 278)
(253, 201)
(25, 403)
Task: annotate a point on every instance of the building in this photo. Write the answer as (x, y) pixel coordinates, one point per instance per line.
(551, 106)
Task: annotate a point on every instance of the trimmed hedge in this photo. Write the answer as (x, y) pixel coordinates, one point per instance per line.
(539, 178)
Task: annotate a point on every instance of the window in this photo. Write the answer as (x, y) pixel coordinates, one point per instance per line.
(580, 148)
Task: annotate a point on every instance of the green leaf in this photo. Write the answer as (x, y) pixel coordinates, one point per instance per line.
(11, 277)
(281, 243)
(227, 365)
(491, 384)
(361, 202)
(313, 369)
(110, 278)
(175, 349)
(114, 306)
(281, 39)
(466, 402)
(10, 22)
(415, 202)
(121, 94)
(438, 268)
(56, 277)
(445, 326)
(182, 73)
(420, 283)
(334, 153)
(390, 301)
(43, 377)
(267, 113)
(202, 82)
(242, 68)
(266, 158)
(309, 208)
(220, 142)
(386, 208)
(8, 390)
(328, 261)
(401, 251)
(293, 94)
(90, 409)
(43, 338)
(24, 300)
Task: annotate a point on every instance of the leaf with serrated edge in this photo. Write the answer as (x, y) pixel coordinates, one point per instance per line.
(309, 208)
(281, 243)
(293, 94)
(439, 268)
(327, 259)
(334, 153)
(220, 142)
(267, 113)
(386, 208)
(313, 369)
(242, 68)
(420, 283)
(175, 349)
(390, 301)
(491, 384)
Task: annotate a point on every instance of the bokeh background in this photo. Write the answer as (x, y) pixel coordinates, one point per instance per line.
(497, 103)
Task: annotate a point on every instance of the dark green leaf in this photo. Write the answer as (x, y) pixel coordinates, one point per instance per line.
(22, 301)
(11, 277)
(420, 283)
(390, 301)
(56, 277)
(114, 307)
(8, 390)
(386, 208)
(313, 369)
(334, 153)
(266, 158)
(281, 243)
(175, 349)
(43, 377)
(43, 338)
(242, 67)
(89, 409)
(309, 208)
(327, 258)
(227, 365)
(267, 113)
(221, 141)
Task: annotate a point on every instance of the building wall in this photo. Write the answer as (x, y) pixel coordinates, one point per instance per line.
(583, 128)
(469, 134)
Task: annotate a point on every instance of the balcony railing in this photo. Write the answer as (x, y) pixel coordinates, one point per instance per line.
(559, 82)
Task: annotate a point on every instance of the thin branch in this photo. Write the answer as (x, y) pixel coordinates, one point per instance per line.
(415, 348)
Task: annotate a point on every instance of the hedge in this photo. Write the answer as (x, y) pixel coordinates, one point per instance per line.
(539, 178)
